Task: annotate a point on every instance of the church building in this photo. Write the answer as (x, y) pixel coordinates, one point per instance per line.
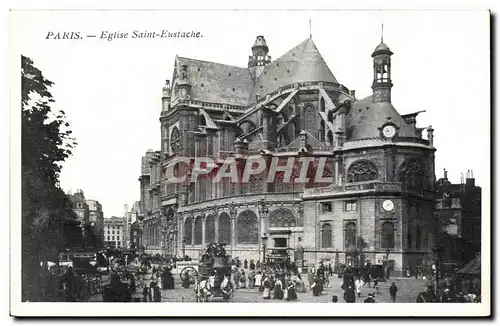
(378, 206)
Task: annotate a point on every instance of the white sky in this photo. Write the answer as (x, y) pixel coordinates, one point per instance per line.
(111, 91)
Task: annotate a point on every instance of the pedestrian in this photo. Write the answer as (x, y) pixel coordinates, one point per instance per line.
(370, 298)
(359, 286)
(258, 280)
(156, 293)
(236, 277)
(252, 265)
(393, 290)
(245, 264)
(266, 293)
(335, 299)
(375, 285)
(330, 269)
(146, 295)
(349, 295)
(416, 272)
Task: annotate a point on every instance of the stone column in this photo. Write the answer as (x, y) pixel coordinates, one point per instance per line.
(390, 152)
(233, 213)
(203, 230)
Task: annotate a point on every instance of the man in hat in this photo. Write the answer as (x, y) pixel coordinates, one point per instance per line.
(370, 298)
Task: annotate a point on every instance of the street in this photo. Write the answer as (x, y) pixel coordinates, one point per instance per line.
(408, 290)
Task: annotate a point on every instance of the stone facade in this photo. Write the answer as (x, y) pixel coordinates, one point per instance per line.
(381, 166)
(96, 215)
(114, 232)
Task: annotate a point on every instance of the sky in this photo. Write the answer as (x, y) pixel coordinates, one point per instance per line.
(111, 90)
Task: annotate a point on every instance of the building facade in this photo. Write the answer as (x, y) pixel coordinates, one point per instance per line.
(378, 206)
(80, 206)
(114, 232)
(96, 216)
(458, 212)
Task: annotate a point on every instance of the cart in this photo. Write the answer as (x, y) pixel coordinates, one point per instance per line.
(213, 276)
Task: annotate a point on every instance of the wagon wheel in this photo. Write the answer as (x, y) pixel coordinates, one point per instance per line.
(190, 274)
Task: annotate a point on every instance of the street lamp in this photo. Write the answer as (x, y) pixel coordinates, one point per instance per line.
(164, 232)
(263, 211)
(387, 252)
(435, 266)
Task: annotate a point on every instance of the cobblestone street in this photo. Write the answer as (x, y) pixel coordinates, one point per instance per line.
(408, 290)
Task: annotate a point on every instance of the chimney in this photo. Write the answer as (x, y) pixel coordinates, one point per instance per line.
(445, 174)
(353, 93)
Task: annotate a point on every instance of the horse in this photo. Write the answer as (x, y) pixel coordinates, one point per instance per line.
(205, 289)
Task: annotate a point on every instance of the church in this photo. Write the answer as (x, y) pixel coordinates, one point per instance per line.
(378, 206)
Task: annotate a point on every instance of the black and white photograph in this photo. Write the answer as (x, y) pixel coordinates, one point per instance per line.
(299, 158)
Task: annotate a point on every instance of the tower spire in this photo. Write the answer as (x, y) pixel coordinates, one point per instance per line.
(382, 34)
(310, 28)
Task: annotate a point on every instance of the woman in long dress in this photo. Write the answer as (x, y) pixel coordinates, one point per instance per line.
(291, 294)
(258, 281)
(266, 293)
(278, 289)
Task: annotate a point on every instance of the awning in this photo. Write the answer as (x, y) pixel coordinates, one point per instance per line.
(472, 268)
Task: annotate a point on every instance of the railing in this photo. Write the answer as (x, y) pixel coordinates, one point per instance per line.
(356, 187)
(205, 105)
(242, 199)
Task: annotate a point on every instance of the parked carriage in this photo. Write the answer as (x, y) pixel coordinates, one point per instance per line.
(213, 276)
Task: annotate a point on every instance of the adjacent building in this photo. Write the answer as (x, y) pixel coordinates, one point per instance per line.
(96, 216)
(458, 212)
(80, 206)
(114, 232)
(379, 206)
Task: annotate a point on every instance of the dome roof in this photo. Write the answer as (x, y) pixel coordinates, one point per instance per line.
(382, 47)
(260, 41)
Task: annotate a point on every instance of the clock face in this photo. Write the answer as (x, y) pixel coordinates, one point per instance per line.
(389, 131)
(388, 205)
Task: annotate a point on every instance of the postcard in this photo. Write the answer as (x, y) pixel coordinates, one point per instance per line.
(173, 159)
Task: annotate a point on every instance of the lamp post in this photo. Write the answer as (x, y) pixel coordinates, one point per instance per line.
(263, 211)
(435, 266)
(164, 232)
(387, 252)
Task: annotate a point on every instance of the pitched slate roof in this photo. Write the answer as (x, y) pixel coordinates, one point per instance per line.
(301, 64)
(366, 116)
(218, 83)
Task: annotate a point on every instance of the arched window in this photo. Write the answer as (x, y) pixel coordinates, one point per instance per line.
(224, 228)
(188, 231)
(175, 140)
(362, 171)
(322, 105)
(321, 132)
(350, 235)
(310, 119)
(282, 218)
(412, 175)
(210, 229)
(247, 228)
(387, 235)
(198, 230)
(326, 236)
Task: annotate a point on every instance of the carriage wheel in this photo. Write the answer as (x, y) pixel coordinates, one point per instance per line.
(189, 273)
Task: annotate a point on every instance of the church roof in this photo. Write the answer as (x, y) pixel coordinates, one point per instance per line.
(301, 64)
(366, 117)
(218, 83)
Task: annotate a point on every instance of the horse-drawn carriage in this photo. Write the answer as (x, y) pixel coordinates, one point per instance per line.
(213, 275)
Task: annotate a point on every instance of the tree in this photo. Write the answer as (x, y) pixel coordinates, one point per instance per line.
(48, 222)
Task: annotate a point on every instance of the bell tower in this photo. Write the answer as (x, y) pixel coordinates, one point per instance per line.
(259, 58)
(382, 83)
